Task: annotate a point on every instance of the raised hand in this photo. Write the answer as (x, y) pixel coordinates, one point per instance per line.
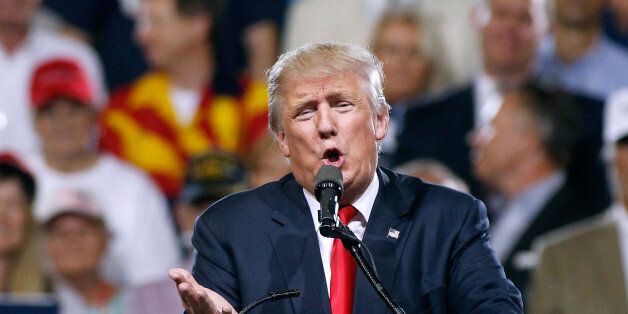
(197, 299)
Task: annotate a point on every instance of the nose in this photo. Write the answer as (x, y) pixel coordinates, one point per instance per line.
(325, 122)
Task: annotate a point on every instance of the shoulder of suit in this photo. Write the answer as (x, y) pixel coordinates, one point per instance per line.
(252, 199)
(573, 234)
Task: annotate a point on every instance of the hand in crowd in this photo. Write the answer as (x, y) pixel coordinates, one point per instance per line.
(195, 298)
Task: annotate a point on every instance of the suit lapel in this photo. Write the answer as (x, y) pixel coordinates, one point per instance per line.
(296, 247)
(387, 216)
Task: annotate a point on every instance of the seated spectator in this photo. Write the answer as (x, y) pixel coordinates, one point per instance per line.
(406, 48)
(144, 243)
(432, 171)
(577, 55)
(523, 155)
(266, 163)
(582, 268)
(437, 128)
(209, 177)
(20, 269)
(77, 238)
(76, 241)
(187, 103)
(23, 45)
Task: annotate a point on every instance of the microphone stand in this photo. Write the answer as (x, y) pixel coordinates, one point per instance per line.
(352, 244)
(271, 297)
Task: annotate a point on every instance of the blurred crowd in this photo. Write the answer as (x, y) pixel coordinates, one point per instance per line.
(122, 120)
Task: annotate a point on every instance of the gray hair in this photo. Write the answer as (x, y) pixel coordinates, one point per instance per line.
(312, 60)
(432, 171)
(556, 118)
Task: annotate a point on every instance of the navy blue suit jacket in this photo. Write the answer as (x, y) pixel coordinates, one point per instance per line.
(264, 240)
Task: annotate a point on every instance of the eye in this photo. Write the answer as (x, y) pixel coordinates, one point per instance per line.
(344, 106)
(304, 114)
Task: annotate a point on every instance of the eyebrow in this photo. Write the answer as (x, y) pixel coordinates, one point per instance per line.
(335, 95)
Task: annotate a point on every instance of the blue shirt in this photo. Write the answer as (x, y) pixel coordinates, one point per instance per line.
(597, 74)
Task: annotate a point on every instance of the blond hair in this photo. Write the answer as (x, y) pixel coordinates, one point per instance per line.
(316, 60)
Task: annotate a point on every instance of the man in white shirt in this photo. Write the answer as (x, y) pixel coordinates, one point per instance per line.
(23, 45)
(144, 244)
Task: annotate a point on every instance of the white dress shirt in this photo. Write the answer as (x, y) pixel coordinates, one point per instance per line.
(186, 103)
(364, 205)
(488, 99)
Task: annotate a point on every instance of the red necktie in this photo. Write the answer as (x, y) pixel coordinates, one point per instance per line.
(342, 270)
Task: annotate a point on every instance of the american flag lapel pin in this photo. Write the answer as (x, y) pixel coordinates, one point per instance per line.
(393, 233)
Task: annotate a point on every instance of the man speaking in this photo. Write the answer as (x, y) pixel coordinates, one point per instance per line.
(429, 243)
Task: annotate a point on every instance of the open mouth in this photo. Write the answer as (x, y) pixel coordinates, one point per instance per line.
(333, 157)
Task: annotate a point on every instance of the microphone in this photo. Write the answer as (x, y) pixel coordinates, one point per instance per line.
(328, 191)
(271, 297)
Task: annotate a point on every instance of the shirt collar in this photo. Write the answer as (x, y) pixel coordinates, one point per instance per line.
(484, 86)
(618, 213)
(487, 98)
(364, 203)
(532, 199)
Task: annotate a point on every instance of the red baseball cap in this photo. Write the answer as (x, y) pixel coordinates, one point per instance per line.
(57, 78)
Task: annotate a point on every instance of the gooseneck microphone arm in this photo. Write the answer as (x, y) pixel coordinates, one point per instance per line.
(271, 297)
(328, 191)
(354, 246)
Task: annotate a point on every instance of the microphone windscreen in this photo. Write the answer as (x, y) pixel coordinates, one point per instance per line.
(329, 173)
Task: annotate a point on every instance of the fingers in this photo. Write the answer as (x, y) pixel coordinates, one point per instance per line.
(177, 276)
(198, 300)
(195, 298)
(180, 275)
(220, 302)
(186, 287)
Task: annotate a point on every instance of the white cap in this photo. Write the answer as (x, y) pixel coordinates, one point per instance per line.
(74, 202)
(616, 117)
